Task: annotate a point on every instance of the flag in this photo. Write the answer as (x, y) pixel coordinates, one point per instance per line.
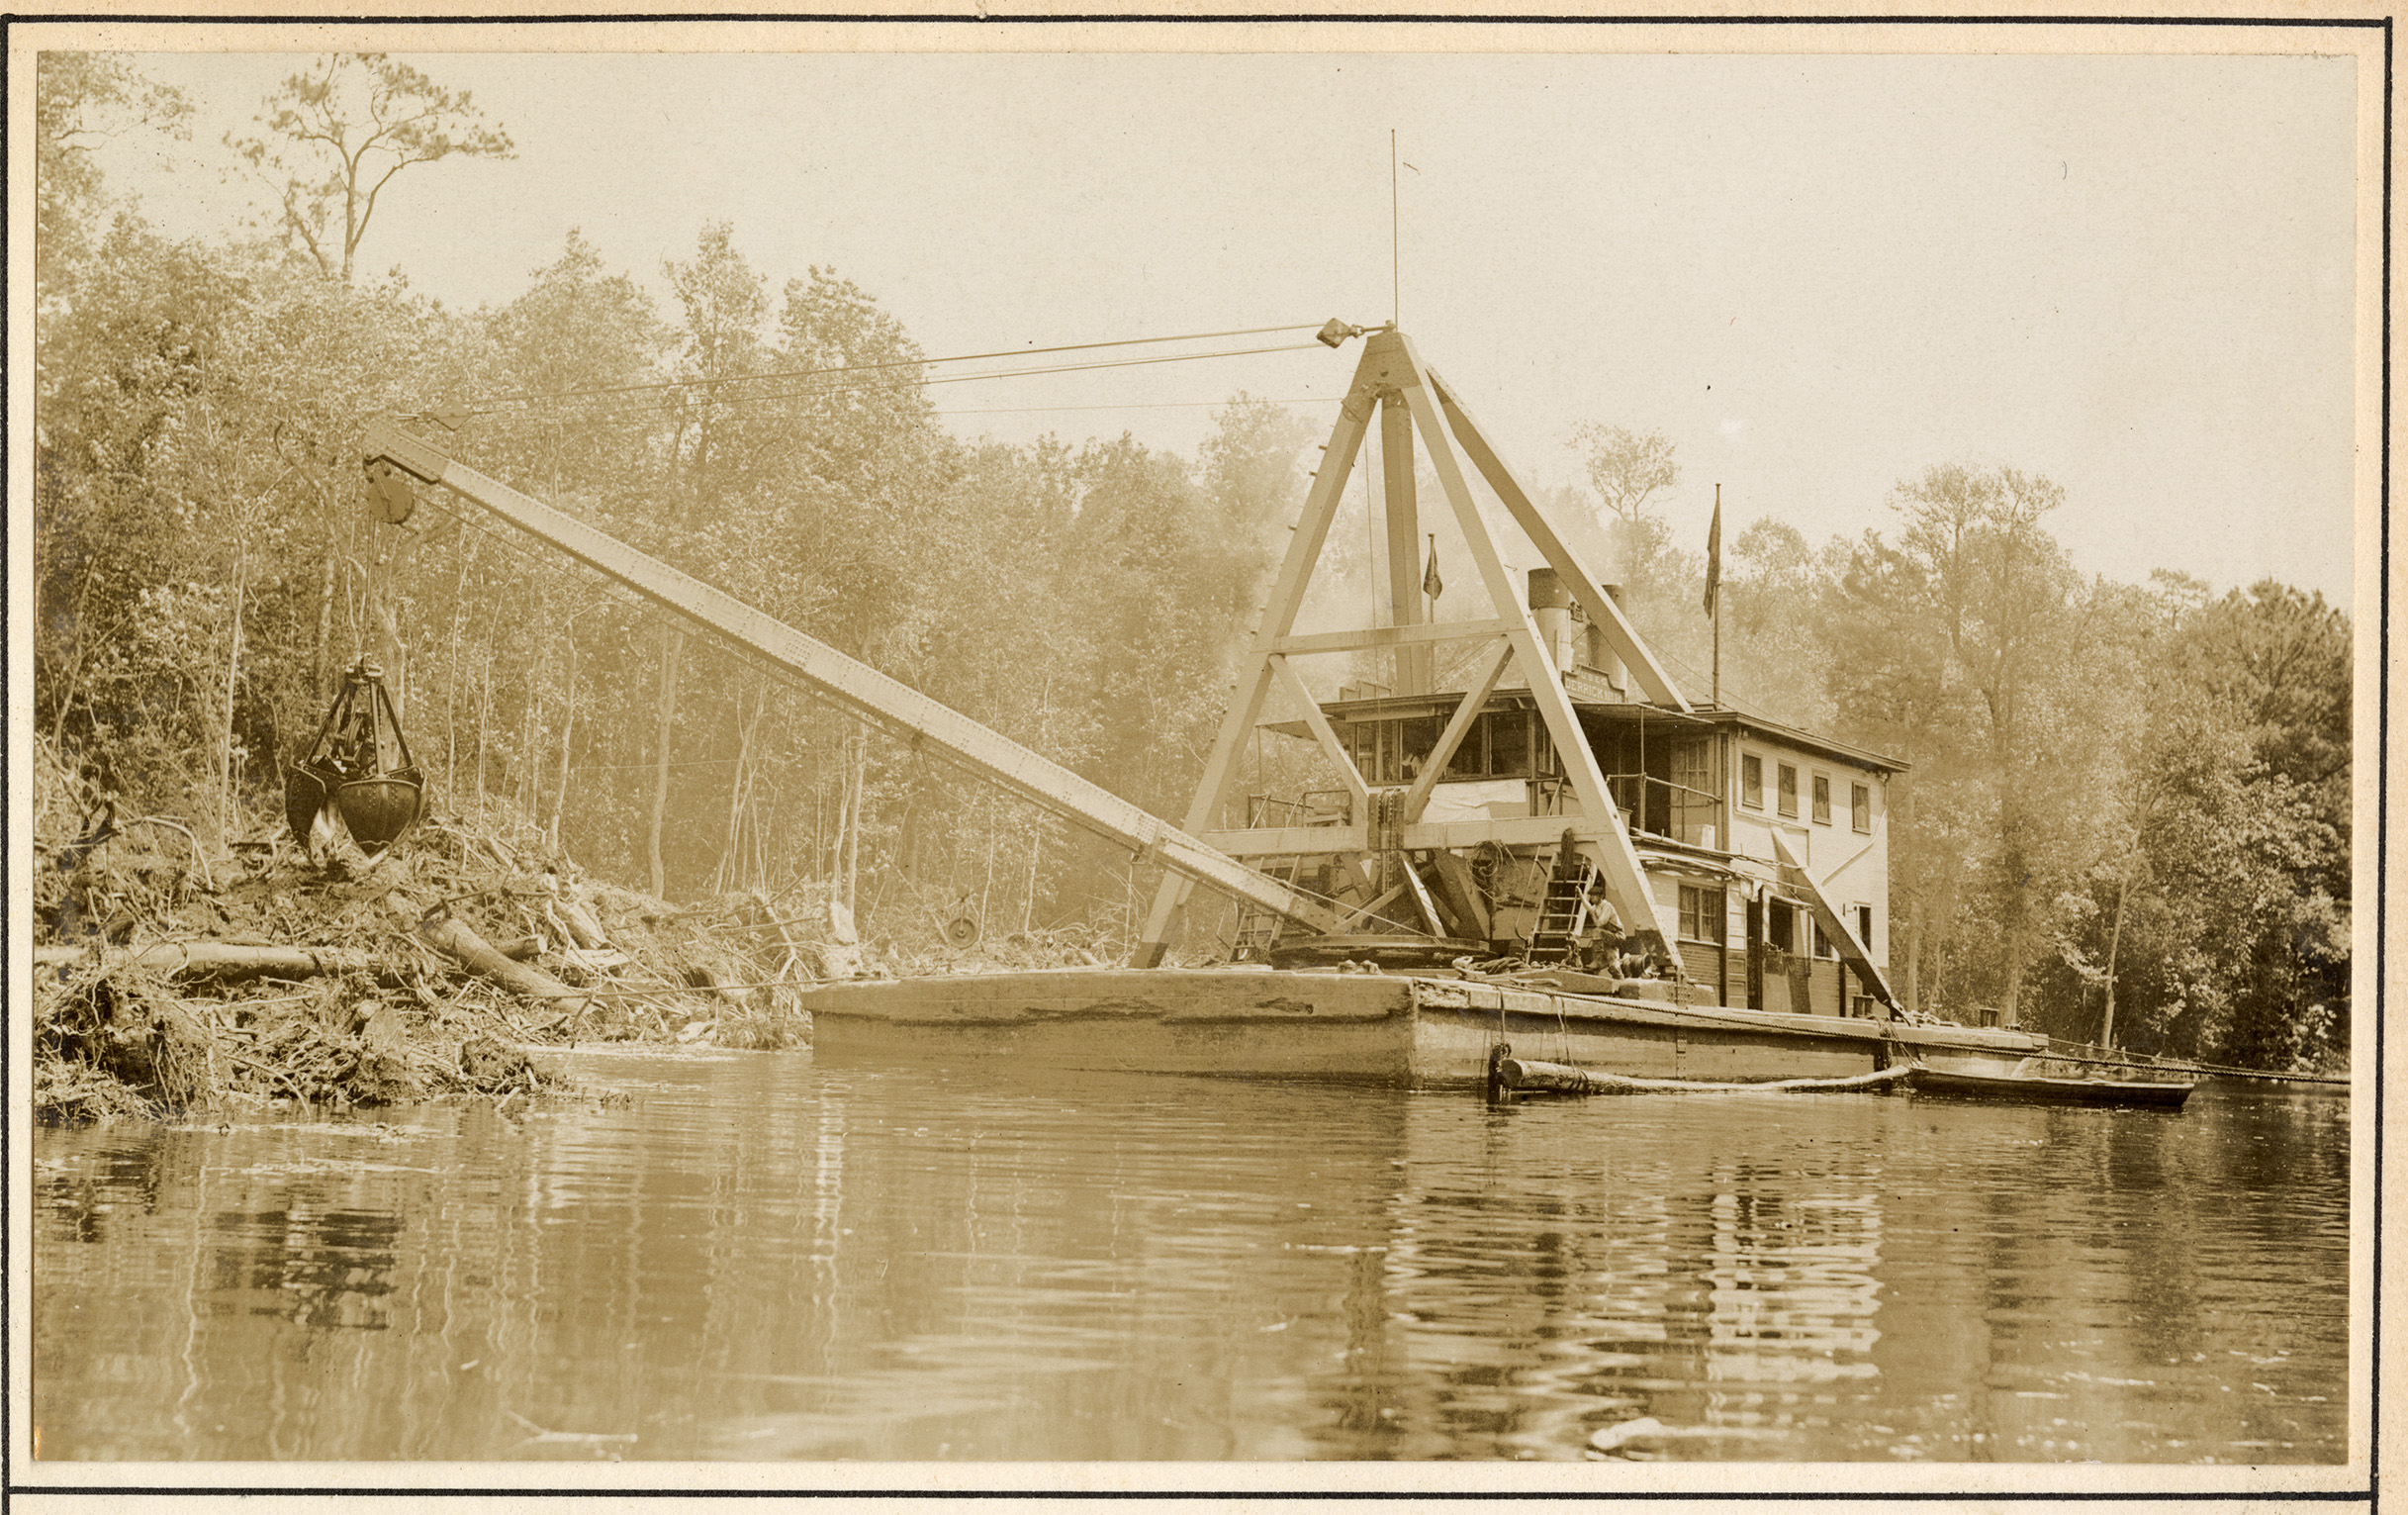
(1432, 583)
(1714, 554)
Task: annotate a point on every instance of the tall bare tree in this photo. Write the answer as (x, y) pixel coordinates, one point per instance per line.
(334, 134)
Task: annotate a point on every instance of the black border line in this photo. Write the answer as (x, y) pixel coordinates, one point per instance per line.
(1163, 17)
(8, 849)
(2382, 816)
(8, 1484)
(1599, 1496)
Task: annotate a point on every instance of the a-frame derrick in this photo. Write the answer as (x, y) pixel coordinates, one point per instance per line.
(1392, 382)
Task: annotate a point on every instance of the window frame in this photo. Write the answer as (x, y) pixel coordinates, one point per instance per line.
(1699, 903)
(1785, 789)
(1820, 799)
(1751, 781)
(1860, 805)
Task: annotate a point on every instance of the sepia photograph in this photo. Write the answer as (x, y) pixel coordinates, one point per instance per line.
(1053, 756)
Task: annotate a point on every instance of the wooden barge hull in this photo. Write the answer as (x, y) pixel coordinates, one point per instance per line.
(1370, 1028)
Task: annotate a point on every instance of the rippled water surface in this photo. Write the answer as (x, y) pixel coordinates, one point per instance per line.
(753, 1258)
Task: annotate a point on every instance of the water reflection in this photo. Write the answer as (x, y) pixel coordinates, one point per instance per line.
(758, 1258)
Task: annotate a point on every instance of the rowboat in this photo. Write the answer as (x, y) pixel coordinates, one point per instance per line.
(2025, 1086)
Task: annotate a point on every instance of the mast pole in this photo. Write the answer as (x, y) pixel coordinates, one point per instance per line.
(1718, 612)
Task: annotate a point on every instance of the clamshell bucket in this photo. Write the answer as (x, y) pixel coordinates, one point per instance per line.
(358, 774)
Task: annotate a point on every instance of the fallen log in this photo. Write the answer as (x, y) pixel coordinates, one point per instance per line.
(453, 937)
(222, 960)
(1528, 1075)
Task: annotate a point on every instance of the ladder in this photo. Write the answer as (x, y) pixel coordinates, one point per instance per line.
(1574, 903)
(1259, 927)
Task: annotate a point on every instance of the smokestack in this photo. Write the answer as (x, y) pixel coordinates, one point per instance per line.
(1551, 608)
(1602, 654)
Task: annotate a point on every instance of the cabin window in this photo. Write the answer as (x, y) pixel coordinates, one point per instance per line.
(1860, 807)
(1509, 744)
(1701, 913)
(1751, 781)
(1471, 758)
(1789, 790)
(1822, 799)
(1392, 751)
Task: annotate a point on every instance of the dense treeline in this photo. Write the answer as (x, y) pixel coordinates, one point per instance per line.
(2125, 800)
(2129, 806)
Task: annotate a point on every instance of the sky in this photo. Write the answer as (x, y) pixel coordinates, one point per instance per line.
(1819, 275)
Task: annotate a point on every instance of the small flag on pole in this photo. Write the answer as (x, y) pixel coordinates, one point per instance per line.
(1713, 554)
(1432, 583)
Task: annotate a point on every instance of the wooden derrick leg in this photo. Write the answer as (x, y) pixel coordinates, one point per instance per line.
(1278, 618)
(1602, 831)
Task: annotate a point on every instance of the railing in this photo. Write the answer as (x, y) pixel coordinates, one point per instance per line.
(1654, 805)
(1316, 808)
(1551, 795)
(1661, 808)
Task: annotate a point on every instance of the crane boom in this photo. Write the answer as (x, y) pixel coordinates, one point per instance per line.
(858, 687)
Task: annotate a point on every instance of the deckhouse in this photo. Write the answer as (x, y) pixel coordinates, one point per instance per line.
(1702, 793)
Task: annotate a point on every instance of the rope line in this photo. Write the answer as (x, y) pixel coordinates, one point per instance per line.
(625, 415)
(487, 405)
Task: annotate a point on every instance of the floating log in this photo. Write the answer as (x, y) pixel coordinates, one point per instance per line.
(1525, 1074)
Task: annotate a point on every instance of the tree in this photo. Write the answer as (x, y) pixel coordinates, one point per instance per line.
(334, 134)
(80, 100)
(1627, 470)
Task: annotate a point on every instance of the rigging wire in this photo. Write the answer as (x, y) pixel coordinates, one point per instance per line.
(486, 405)
(621, 412)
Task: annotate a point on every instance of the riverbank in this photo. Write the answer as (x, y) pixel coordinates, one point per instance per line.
(173, 972)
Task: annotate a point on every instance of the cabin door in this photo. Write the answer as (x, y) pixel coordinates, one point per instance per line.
(1755, 954)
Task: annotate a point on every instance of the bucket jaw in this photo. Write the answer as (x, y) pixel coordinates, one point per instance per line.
(358, 779)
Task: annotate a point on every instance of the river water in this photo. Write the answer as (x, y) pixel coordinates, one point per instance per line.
(751, 1257)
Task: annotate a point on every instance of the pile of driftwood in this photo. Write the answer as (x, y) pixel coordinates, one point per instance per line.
(174, 975)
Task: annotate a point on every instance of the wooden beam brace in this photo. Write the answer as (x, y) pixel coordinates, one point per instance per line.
(1391, 636)
(1455, 835)
(1278, 618)
(1291, 841)
(1321, 733)
(1404, 534)
(1421, 895)
(1836, 927)
(1417, 797)
(1619, 632)
(1626, 879)
(1358, 916)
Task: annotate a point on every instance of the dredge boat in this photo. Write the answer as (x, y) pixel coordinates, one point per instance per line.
(1535, 839)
